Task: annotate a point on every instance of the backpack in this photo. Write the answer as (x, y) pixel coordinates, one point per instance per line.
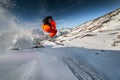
(47, 19)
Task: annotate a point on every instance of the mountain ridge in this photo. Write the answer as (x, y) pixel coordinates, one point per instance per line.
(101, 33)
(99, 22)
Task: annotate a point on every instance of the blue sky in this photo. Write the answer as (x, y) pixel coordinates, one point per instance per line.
(67, 13)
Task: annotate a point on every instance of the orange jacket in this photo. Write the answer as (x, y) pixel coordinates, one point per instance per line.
(51, 29)
(47, 27)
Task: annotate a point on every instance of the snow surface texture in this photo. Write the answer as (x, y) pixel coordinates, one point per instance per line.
(98, 60)
(60, 63)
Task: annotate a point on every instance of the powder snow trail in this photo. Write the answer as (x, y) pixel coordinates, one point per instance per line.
(56, 62)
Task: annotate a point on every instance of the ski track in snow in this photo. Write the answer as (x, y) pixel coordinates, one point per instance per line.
(60, 63)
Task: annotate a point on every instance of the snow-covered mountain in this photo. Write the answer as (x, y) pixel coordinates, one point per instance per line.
(110, 21)
(101, 33)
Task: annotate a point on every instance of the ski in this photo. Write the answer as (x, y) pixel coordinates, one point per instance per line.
(59, 43)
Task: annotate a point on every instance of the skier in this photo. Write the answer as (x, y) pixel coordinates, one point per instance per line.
(49, 26)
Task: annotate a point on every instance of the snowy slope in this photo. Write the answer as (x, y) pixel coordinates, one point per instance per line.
(101, 33)
(60, 63)
(110, 21)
